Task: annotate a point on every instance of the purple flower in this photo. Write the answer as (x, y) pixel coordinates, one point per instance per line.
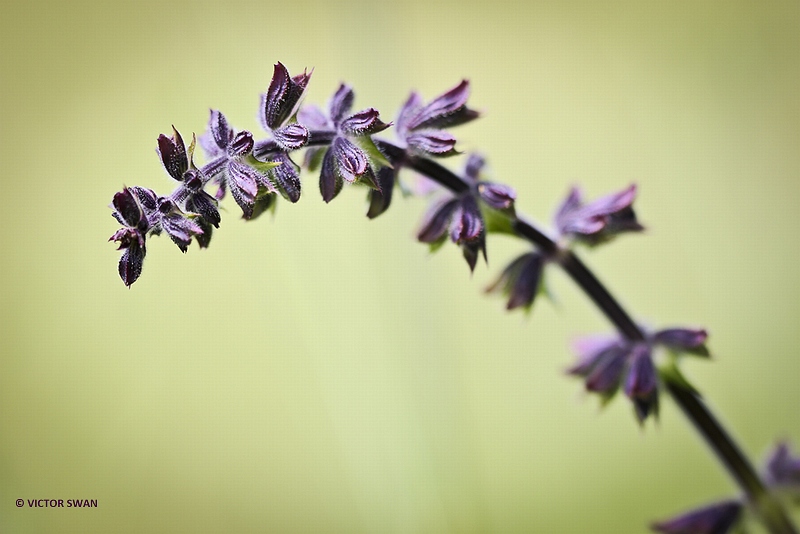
(179, 226)
(380, 198)
(494, 195)
(278, 106)
(600, 220)
(129, 211)
(179, 164)
(346, 158)
(520, 281)
(420, 126)
(782, 469)
(683, 340)
(717, 518)
(461, 220)
(608, 363)
(460, 217)
(282, 99)
(232, 164)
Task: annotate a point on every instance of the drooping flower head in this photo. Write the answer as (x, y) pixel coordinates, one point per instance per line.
(346, 159)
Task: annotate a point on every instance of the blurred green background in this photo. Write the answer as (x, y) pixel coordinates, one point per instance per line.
(319, 372)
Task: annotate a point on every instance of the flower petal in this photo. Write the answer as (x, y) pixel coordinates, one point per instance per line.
(433, 142)
(341, 103)
(204, 239)
(180, 229)
(219, 129)
(204, 204)
(717, 518)
(147, 198)
(447, 104)
(612, 203)
(599, 220)
(437, 221)
(215, 167)
(448, 109)
(470, 250)
(467, 222)
(291, 137)
(381, 198)
(130, 264)
(642, 378)
(314, 118)
(606, 372)
(351, 162)
(525, 285)
(282, 97)
(330, 183)
(173, 154)
(475, 163)
(127, 208)
(408, 111)
(242, 182)
(362, 123)
(497, 196)
(240, 145)
(683, 340)
(782, 468)
(566, 209)
(286, 176)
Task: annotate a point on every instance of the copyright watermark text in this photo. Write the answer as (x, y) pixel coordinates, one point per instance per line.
(57, 503)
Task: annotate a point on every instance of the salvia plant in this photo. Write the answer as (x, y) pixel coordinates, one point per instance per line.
(341, 146)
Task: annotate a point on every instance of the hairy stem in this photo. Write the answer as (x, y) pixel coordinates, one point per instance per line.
(727, 451)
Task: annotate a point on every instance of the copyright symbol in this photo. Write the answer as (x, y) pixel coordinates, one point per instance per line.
(20, 503)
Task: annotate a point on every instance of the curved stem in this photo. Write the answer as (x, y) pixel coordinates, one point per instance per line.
(727, 451)
(601, 297)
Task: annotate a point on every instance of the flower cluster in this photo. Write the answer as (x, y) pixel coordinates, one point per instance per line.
(421, 126)
(600, 220)
(605, 364)
(346, 158)
(459, 216)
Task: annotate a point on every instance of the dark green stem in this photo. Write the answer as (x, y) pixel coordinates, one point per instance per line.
(600, 295)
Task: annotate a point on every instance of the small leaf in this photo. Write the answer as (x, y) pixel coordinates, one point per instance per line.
(670, 373)
(497, 221)
(376, 157)
(261, 166)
